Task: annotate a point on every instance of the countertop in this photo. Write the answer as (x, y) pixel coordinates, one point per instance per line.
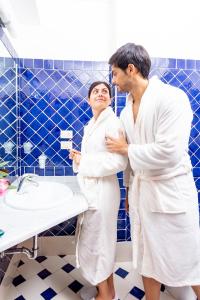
(20, 225)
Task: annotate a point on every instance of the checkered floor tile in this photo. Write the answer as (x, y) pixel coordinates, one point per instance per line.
(55, 277)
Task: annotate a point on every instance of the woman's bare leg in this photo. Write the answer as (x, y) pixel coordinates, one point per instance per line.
(103, 291)
(196, 289)
(111, 285)
(151, 288)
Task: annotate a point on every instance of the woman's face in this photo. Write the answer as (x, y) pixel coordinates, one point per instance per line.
(99, 98)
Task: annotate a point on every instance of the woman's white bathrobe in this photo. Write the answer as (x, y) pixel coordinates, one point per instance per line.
(97, 228)
(163, 205)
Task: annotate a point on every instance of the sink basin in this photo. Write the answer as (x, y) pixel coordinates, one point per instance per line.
(44, 195)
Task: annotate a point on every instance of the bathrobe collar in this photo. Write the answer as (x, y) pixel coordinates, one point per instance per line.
(93, 124)
(144, 103)
(153, 82)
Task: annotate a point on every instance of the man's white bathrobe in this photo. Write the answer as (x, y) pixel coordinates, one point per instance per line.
(97, 228)
(163, 205)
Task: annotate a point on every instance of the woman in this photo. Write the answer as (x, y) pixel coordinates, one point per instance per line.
(97, 168)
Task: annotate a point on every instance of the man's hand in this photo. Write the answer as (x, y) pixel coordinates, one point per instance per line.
(126, 201)
(117, 145)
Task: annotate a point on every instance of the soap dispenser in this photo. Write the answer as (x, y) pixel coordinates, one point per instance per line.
(42, 161)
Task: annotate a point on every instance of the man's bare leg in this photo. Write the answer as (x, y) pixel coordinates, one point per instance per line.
(151, 288)
(196, 289)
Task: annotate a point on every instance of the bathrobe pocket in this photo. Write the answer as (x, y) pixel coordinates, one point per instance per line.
(168, 196)
(90, 187)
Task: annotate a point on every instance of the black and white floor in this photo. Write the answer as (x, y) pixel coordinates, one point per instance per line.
(55, 277)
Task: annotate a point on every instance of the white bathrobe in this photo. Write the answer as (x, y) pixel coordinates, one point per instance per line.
(163, 204)
(97, 228)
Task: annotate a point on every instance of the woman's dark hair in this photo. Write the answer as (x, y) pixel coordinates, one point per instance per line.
(132, 54)
(97, 83)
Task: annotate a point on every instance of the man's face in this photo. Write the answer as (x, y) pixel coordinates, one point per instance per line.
(121, 79)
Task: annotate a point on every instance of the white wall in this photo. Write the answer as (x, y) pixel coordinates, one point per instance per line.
(3, 51)
(166, 28)
(78, 29)
(94, 29)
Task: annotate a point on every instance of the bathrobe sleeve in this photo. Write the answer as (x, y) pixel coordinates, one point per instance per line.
(104, 163)
(101, 164)
(172, 128)
(74, 167)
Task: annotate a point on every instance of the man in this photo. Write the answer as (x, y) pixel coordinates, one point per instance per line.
(163, 204)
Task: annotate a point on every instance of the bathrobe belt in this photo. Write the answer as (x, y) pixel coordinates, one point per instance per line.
(77, 236)
(136, 180)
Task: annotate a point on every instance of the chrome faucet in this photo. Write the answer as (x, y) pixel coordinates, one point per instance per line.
(27, 176)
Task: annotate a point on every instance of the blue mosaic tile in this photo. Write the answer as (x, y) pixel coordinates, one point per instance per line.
(121, 234)
(196, 172)
(49, 171)
(87, 65)
(198, 64)
(48, 64)
(68, 65)
(121, 224)
(171, 63)
(123, 192)
(29, 170)
(78, 65)
(69, 171)
(121, 214)
(181, 63)
(58, 64)
(122, 204)
(38, 63)
(28, 63)
(59, 171)
(27, 75)
(38, 171)
(190, 64)
(69, 229)
(1, 61)
(197, 182)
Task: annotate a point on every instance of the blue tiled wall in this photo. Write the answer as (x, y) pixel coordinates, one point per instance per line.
(8, 112)
(52, 97)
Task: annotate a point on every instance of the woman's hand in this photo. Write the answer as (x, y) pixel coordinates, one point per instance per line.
(75, 156)
(73, 153)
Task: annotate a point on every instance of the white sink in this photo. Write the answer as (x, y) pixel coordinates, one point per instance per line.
(44, 195)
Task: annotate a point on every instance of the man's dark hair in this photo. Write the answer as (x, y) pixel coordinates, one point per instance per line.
(132, 54)
(97, 83)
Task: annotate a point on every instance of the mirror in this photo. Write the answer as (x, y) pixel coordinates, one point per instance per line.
(8, 110)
